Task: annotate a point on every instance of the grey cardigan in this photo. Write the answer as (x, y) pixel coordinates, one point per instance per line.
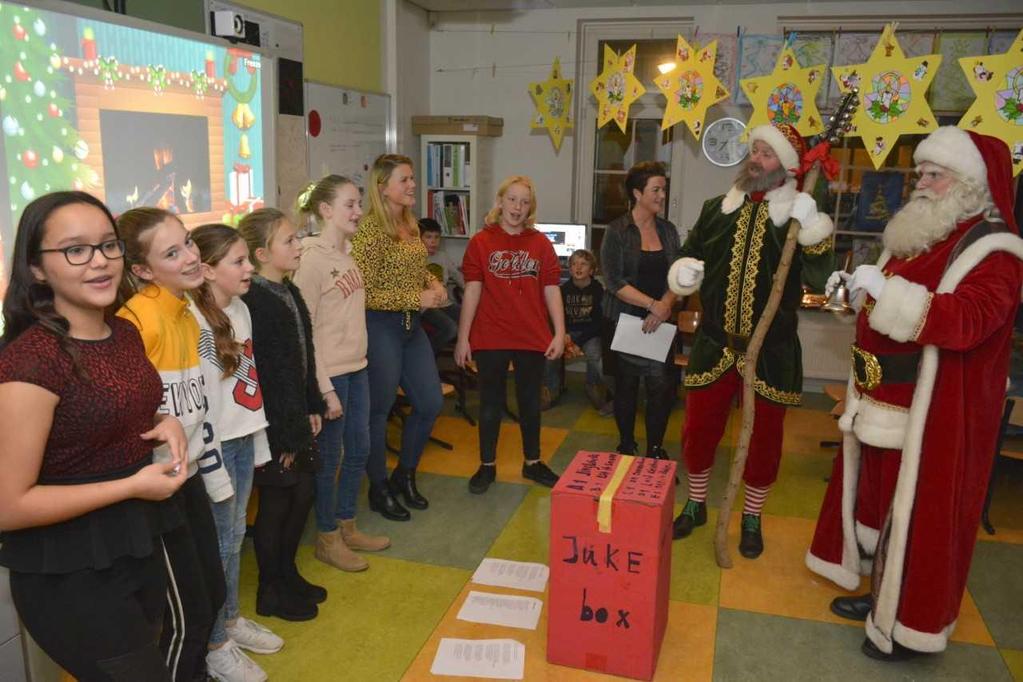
(619, 257)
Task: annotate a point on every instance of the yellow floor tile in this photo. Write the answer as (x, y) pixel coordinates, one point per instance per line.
(1014, 661)
(778, 582)
(464, 459)
(687, 653)
(1012, 536)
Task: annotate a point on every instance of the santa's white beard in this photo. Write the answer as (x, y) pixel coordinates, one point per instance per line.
(927, 219)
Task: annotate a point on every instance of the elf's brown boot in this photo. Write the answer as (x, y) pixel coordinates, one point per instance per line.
(332, 550)
(357, 540)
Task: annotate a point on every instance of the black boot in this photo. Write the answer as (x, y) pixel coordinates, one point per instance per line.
(853, 608)
(381, 500)
(693, 514)
(403, 482)
(275, 599)
(304, 588)
(656, 452)
(626, 449)
(751, 544)
(899, 652)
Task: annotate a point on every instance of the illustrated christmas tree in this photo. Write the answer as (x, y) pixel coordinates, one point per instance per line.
(42, 148)
(879, 208)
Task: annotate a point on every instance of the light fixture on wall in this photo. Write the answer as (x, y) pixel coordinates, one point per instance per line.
(666, 67)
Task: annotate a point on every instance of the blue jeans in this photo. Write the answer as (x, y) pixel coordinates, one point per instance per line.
(594, 368)
(229, 517)
(335, 497)
(399, 354)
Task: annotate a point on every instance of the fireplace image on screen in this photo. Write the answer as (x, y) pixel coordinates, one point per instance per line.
(152, 159)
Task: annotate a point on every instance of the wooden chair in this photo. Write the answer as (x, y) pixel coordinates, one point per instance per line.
(1012, 415)
(688, 321)
(837, 393)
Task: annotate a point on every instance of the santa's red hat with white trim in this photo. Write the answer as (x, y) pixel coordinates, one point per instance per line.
(786, 142)
(980, 158)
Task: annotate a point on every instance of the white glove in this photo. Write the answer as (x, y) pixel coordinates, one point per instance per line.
(689, 272)
(804, 208)
(868, 278)
(836, 278)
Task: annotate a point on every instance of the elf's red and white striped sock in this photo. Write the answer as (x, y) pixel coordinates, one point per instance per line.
(755, 499)
(698, 484)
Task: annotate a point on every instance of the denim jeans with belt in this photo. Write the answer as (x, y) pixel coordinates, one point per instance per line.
(335, 497)
(229, 517)
(399, 354)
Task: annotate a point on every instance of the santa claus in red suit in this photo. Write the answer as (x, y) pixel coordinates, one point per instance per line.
(924, 398)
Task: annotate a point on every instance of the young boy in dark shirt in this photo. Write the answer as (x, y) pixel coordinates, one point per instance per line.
(582, 296)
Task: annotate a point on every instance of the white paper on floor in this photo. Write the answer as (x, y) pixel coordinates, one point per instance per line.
(501, 609)
(520, 575)
(499, 659)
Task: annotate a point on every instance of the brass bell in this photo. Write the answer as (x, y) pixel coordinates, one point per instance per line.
(838, 301)
(243, 147)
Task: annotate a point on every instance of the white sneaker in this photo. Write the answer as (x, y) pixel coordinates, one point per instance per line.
(229, 664)
(254, 637)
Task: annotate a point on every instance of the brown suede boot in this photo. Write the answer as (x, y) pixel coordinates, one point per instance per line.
(357, 540)
(332, 550)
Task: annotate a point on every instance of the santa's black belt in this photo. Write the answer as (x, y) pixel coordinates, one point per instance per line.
(870, 370)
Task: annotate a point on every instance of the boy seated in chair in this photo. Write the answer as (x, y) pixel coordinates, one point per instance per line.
(441, 324)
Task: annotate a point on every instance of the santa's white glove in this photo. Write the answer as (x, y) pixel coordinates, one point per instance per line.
(836, 278)
(804, 209)
(868, 278)
(688, 272)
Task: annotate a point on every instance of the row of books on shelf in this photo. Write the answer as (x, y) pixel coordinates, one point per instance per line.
(450, 210)
(447, 164)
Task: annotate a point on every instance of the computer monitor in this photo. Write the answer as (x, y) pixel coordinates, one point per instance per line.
(565, 237)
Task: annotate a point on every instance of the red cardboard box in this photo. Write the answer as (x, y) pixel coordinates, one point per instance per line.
(610, 560)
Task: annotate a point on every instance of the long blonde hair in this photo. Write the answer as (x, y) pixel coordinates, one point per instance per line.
(494, 217)
(258, 229)
(383, 168)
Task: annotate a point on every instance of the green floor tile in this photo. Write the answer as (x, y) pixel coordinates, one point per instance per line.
(695, 576)
(800, 486)
(526, 536)
(998, 590)
(457, 529)
(752, 646)
(370, 628)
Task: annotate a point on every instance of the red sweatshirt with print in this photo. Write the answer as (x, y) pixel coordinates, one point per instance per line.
(514, 269)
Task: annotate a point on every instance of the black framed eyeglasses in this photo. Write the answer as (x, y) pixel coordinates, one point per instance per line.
(80, 254)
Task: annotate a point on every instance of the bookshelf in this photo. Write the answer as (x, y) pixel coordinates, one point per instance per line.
(456, 184)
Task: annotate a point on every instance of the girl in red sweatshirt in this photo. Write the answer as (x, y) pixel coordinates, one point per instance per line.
(511, 287)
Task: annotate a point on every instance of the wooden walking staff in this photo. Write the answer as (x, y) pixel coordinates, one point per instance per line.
(839, 124)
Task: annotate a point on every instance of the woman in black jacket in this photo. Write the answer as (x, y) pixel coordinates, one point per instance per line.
(282, 340)
(637, 250)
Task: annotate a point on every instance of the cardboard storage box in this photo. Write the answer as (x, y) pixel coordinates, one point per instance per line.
(610, 561)
(457, 125)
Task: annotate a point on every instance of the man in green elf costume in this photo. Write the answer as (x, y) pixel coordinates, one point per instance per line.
(730, 257)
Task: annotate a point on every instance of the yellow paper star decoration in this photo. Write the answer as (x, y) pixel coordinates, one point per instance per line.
(787, 95)
(616, 88)
(691, 87)
(892, 96)
(998, 110)
(553, 100)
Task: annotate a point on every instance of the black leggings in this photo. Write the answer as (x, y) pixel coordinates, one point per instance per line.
(493, 378)
(99, 625)
(283, 511)
(195, 585)
(660, 397)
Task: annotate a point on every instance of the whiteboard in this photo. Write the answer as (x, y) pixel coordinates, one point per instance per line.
(347, 130)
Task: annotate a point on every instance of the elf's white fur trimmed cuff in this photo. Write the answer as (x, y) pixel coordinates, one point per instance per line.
(900, 312)
(818, 229)
(673, 284)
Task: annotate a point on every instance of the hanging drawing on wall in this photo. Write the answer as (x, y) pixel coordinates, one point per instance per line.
(787, 95)
(892, 95)
(616, 88)
(553, 101)
(997, 79)
(691, 87)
